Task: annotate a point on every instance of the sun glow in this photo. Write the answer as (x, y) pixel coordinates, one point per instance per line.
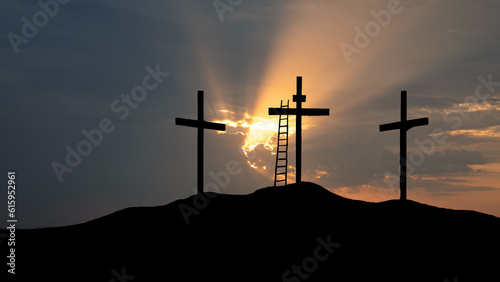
(258, 130)
(260, 137)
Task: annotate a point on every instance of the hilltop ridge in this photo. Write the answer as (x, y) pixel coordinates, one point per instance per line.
(301, 232)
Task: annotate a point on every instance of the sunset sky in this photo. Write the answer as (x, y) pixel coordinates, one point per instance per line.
(74, 67)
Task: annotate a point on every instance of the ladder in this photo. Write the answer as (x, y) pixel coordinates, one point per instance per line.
(281, 170)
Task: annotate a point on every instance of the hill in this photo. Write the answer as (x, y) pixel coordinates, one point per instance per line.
(294, 233)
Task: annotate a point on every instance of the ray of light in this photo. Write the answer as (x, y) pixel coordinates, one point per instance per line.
(305, 42)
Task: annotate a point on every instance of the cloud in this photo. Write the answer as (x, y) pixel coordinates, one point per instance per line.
(441, 187)
(350, 158)
(449, 161)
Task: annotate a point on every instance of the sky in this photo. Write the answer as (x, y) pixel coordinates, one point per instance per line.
(91, 90)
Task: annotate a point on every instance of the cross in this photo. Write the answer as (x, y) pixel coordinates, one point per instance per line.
(299, 112)
(201, 125)
(404, 125)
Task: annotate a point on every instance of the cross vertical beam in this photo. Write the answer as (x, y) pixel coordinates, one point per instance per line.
(299, 98)
(402, 147)
(404, 125)
(200, 124)
(201, 141)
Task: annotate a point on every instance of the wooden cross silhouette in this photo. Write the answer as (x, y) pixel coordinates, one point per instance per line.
(201, 125)
(299, 112)
(404, 125)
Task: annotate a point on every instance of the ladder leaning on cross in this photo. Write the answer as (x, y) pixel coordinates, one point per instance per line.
(281, 168)
(299, 112)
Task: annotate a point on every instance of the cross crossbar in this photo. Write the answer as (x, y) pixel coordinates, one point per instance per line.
(204, 124)
(304, 112)
(408, 124)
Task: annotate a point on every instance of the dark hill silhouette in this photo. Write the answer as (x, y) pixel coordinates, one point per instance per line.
(261, 236)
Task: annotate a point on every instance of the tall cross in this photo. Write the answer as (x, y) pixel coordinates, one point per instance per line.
(201, 125)
(299, 112)
(404, 125)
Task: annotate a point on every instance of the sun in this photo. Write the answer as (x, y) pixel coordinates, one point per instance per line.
(260, 134)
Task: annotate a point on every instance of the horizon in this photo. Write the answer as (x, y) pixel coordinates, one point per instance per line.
(90, 104)
(217, 193)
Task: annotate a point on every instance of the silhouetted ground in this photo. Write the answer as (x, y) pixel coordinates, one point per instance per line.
(294, 233)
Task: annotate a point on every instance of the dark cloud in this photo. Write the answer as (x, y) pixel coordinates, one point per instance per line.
(448, 161)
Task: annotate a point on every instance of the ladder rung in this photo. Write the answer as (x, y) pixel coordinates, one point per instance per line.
(281, 159)
(280, 180)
